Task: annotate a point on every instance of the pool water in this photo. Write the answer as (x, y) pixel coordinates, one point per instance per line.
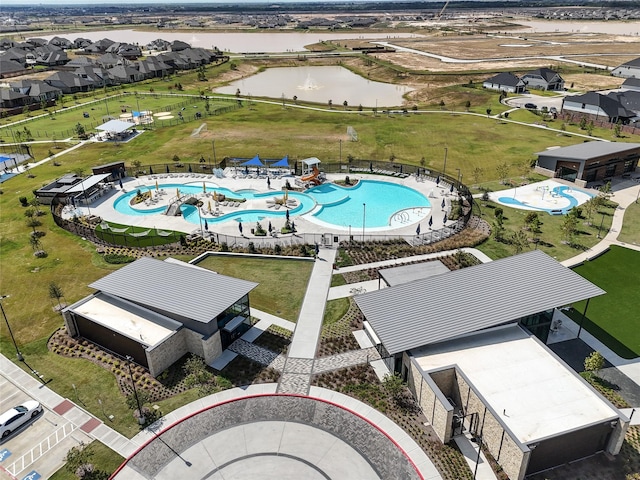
(373, 201)
(328, 203)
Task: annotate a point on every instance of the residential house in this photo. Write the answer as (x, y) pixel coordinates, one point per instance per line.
(597, 107)
(99, 47)
(543, 79)
(38, 90)
(98, 76)
(505, 82)
(631, 83)
(151, 67)
(61, 43)
(630, 69)
(628, 99)
(125, 74)
(178, 45)
(67, 82)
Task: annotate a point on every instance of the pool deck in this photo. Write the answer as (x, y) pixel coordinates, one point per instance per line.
(103, 207)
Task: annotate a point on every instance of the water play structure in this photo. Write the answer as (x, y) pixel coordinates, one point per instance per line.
(310, 172)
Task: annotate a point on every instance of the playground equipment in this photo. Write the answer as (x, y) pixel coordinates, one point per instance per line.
(310, 172)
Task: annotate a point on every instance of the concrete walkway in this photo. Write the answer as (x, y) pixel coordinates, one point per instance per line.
(307, 333)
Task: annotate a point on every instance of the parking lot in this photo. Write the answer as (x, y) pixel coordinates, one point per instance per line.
(37, 449)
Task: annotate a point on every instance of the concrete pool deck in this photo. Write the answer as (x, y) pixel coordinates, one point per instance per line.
(103, 207)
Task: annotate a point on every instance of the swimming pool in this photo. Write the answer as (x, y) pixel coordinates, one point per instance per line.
(345, 206)
(328, 203)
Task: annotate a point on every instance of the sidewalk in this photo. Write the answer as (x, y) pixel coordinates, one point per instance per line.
(307, 333)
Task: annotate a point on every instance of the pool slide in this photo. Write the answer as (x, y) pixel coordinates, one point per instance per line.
(313, 177)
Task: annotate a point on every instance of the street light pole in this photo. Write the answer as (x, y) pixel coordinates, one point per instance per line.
(135, 392)
(13, 339)
(444, 169)
(200, 218)
(364, 217)
(213, 146)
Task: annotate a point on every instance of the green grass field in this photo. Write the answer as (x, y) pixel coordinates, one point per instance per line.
(615, 314)
(283, 283)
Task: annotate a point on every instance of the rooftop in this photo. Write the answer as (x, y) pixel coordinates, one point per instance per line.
(456, 303)
(534, 394)
(589, 150)
(130, 320)
(175, 288)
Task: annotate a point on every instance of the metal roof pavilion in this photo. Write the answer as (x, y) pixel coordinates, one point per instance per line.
(588, 150)
(193, 293)
(115, 126)
(87, 183)
(451, 304)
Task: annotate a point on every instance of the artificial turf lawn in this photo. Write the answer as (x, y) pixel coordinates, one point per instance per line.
(617, 272)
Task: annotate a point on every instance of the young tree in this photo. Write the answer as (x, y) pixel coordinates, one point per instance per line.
(467, 105)
(617, 130)
(569, 228)
(594, 363)
(394, 386)
(78, 461)
(503, 172)
(488, 112)
(477, 174)
(519, 241)
(33, 222)
(55, 291)
(345, 104)
(198, 376)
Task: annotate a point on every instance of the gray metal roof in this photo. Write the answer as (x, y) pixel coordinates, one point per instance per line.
(193, 293)
(589, 150)
(409, 273)
(445, 306)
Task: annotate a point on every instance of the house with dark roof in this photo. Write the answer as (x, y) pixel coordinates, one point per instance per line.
(10, 67)
(152, 67)
(628, 99)
(157, 311)
(67, 82)
(61, 42)
(630, 69)
(474, 356)
(50, 56)
(37, 90)
(125, 74)
(589, 162)
(543, 79)
(10, 99)
(110, 60)
(98, 76)
(505, 82)
(596, 106)
(632, 84)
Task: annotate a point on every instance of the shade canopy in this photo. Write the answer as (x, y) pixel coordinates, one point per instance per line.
(282, 163)
(115, 126)
(254, 162)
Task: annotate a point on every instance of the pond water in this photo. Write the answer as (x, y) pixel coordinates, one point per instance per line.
(543, 26)
(319, 84)
(237, 42)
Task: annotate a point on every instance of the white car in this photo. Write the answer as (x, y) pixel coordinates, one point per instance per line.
(17, 416)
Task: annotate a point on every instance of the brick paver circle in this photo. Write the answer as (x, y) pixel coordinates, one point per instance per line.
(270, 436)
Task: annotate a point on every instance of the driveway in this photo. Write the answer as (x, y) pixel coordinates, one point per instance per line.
(539, 100)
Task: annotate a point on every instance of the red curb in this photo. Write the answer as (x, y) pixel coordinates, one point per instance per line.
(63, 407)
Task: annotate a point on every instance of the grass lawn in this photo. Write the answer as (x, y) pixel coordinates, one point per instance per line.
(618, 273)
(631, 227)
(282, 282)
(103, 459)
(551, 240)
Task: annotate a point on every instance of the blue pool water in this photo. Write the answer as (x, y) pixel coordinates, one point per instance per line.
(560, 191)
(333, 204)
(344, 205)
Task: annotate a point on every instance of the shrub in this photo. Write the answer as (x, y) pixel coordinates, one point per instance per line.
(118, 259)
(23, 201)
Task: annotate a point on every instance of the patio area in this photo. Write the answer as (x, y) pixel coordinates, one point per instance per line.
(269, 201)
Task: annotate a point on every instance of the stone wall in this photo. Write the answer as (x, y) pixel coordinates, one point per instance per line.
(165, 354)
(509, 452)
(432, 401)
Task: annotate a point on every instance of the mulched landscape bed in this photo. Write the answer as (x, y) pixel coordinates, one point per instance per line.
(362, 383)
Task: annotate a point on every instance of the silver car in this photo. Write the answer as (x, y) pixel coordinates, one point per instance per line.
(17, 416)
